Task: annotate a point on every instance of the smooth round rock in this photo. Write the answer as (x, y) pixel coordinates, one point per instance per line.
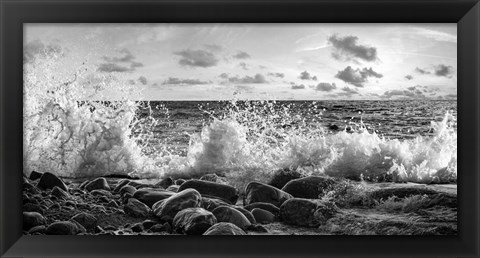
(49, 181)
(35, 175)
(151, 196)
(164, 183)
(120, 184)
(167, 209)
(283, 176)
(193, 221)
(263, 216)
(211, 204)
(212, 190)
(311, 187)
(264, 206)
(59, 193)
(231, 215)
(87, 220)
(136, 208)
(246, 213)
(98, 184)
(224, 228)
(259, 192)
(62, 228)
(32, 219)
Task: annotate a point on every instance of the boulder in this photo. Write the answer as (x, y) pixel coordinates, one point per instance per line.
(32, 219)
(148, 224)
(173, 188)
(120, 184)
(104, 193)
(224, 228)
(97, 184)
(127, 189)
(151, 196)
(259, 192)
(164, 183)
(62, 228)
(59, 193)
(165, 227)
(179, 181)
(304, 212)
(193, 221)
(263, 216)
(49, 181)
(311, 187)
(167, 209)
(135, 208)
(283, 176)
(37, 230)
(30, 207)
(87, 220)
(231, 215)
(211, 189)
(35, 175)
(264, 206)
(211, 203)
(245, 213)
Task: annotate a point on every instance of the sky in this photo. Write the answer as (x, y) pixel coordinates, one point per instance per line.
(262, 61)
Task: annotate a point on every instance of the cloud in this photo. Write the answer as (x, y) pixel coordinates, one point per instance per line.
(243, 65)
(213, 47)
(297, 87)
(409, 77)
(324, 86)
(346, 48)
(124, 63)
(411, 93)
(257, 78)
(357, 77)
(177, 81)
(243, 88)
(421, 71)
(36, 48)
(307, 76)
(143, 80)
(278, 75)
(241, 55)
(197, 58)
(444, 70)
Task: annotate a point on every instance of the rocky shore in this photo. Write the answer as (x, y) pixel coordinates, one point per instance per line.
(289, 204)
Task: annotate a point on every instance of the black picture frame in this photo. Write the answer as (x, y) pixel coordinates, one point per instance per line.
(466, 13)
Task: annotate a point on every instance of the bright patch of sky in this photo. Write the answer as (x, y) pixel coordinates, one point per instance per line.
(258, 61)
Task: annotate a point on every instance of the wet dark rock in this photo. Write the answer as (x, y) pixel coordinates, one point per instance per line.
(258, 192)
(164, 183)
(165, 227)
(167, 209)
(127, 189)
(333, 127)
(311, 187)
(137, 227)
(211, 189)
(224, 228)
(38, 230)
(97, 184)
(214, 178)
(211, 203)
(32, 219)
(258, 228)
(148, 224)
(135, 208)
(304, 212)
(35, 175)
(228, 214)
(263, 216)
(30, 207)
(246, 213)
(80, 228)
(59, 193)
(193, 221)
(120, 184)
(101, 193)
(179, 181)
(264, 206)
(83, 184)
(87, 220)
(283, 176)
(151, 196)
(49, 181)
(62, 228)
(126, 197)
(173, 188)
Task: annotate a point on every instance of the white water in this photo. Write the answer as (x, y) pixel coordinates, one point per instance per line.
(247, 144)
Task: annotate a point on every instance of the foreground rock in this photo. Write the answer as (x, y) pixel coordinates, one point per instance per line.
(283, 176)
(258, 192)
(212, 189)
(224, 228)
(49, 181)
(231, 215)
(151, 196)
(32, 219)
(167, 209)
(211, 204)
(88, 221)
(304, 212)
(264, 206)
(311, 187)
(135, 208)
(97, 184)
(62, 228)
(193, 221)
(165, 183)
(35, 175)
(263, 216)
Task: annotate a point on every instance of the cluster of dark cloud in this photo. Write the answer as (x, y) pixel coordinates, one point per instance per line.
(413, 92)
(357, 77)
(307, 76)
(243, 65)
(196, 58)
(256, 79)
(278, 75)
(241, 55)
(440, 70)
(409, 77)
(177, 81)
(347, 48)
(36, 48)
(324, 86)
(297, 86)
(121, 64)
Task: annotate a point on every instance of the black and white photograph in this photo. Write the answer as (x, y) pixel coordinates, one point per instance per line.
(240, 129)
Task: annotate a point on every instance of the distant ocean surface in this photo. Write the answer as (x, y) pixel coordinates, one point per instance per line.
(402, 119)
